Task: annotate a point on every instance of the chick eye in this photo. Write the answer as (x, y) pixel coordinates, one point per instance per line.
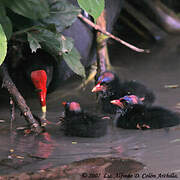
(67, 104)
(102, 83)
(122, 100)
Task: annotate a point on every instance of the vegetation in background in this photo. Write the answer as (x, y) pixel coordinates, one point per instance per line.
(3, 45)
(41, 23)
(92, 7)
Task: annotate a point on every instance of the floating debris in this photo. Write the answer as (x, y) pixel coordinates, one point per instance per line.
(9, 157)
(172, 86)
(177, 106)
(73, 142)
(2, 121)
(36, 157)
(19, 157)
(176, 171)
(175, 140)
(11, 150)
(21, 128)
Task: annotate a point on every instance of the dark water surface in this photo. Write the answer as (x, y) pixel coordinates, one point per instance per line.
(157, 149)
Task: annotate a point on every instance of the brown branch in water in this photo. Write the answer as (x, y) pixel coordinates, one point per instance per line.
(98, 28)
(13, 91)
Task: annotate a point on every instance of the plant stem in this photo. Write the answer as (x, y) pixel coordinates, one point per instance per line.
(18, 99)
(24, 30)
(98, 28)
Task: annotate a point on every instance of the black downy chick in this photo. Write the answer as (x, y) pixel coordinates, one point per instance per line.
(133, 114)
(82, 124)
(109, 87)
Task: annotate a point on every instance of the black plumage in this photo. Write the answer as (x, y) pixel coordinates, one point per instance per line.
(138, 116)
(82, 124)
(110, 87)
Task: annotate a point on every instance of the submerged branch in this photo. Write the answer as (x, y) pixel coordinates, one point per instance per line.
(13, 91)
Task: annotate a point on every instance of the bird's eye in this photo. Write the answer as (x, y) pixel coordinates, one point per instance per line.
(67, 104)
(102, 83)
(122, 100)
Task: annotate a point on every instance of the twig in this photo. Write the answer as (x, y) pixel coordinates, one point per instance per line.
(98, 28)
(101, 44)
(12, 113)
(25, 30)
(13, 91)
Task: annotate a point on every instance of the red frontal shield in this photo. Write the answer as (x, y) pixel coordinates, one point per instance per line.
(39, 79)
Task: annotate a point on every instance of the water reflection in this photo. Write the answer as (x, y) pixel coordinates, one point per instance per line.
(24, 150)
(45, 146)
(157, 149)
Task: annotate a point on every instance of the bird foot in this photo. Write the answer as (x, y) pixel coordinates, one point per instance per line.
(143, 126)
(44, 122)
(146, 126)
(106, 117)
(138, 126)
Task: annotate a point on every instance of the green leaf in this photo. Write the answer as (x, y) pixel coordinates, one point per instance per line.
(62, 14)
(92, 7)
(57, 45)
(7, 26)
(51, 27)
(3, 45)
(2, 9)
(73, 61)
(46, 39)
(33, 9)
(5, 21)
(33, 42)
(175, 140)
(66, 44)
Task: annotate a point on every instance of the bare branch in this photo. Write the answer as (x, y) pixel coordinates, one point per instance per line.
(13, 91)
(98, 28)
